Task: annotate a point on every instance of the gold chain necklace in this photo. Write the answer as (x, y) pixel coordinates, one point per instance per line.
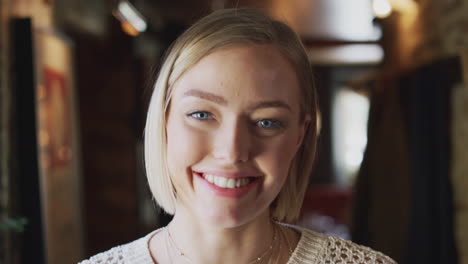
(275, 235)
(277, 258)
(171, 241)
(290, 251)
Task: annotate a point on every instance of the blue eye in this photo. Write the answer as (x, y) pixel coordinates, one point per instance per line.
(200, 115)
(269, 124)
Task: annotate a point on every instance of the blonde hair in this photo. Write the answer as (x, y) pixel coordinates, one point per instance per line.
(217, 30)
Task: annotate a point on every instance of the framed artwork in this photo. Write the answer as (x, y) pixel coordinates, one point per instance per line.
(58, 148)
(47, 162)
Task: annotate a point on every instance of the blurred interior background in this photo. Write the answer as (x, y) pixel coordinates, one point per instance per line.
(75, 79)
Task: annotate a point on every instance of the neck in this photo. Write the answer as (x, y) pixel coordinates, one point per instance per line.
(205, 243)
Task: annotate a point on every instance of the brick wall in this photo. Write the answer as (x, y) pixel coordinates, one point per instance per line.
(447, 23)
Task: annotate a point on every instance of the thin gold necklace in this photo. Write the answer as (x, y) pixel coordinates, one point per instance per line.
(275, 235)
(290, 251)
(172, 242)
(186, 258)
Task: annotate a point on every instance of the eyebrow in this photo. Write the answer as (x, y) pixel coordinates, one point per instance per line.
(220, 100)
(207, 96)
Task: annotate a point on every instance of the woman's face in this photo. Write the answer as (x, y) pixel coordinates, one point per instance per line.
(233, 129)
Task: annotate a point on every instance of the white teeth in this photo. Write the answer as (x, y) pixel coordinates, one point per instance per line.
(209, 178)
(231, 183)
(222, 182)
(225, 182)
(238, 184)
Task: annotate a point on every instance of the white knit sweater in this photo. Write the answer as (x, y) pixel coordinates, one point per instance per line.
(312, 248)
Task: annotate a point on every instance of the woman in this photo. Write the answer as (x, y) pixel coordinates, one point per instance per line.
(229, 145)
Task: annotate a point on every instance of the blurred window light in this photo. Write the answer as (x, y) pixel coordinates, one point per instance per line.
(349, 54)
(343, 20)
(382, 8)
(350, 115)
(133, 23)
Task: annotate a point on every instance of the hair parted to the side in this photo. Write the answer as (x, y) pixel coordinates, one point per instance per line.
(217, 30)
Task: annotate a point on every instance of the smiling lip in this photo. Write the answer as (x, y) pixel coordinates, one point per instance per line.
(236, 192)
(226, 174)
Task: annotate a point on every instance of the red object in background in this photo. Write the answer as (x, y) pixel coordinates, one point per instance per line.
(328, 200)
(55, 104)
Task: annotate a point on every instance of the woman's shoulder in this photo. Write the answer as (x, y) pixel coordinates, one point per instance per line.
(314, 247)
(130, 253)
(114, 255)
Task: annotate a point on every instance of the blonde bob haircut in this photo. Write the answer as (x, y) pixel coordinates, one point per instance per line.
(220, 29)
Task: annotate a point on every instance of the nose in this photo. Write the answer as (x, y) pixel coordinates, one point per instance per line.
(233, 143)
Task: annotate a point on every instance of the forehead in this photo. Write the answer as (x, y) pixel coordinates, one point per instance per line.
(243, 71)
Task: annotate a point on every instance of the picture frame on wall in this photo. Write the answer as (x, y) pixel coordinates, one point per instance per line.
(47, 145)
(59, 163)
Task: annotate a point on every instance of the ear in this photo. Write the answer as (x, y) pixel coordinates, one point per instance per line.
(303, 130)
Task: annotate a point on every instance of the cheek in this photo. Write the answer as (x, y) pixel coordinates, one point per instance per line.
(184, 146)
(277, 157)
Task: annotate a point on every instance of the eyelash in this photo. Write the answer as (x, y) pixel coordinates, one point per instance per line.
(192, 115)
(275, 124)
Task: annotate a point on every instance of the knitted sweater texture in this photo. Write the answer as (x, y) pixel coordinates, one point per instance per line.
(312, 248)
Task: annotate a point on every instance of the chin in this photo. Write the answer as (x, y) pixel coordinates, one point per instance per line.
(226, 218)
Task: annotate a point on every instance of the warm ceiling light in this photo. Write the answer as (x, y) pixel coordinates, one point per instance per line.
(382, 8)
(132, 21)
(129, 29)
